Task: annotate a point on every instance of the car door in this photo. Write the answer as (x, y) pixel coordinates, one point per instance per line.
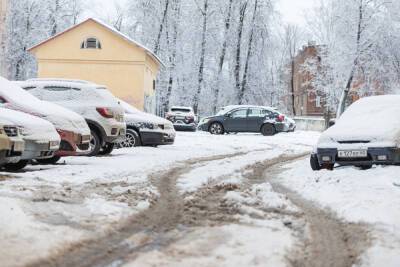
(235, 121)
(256, 118)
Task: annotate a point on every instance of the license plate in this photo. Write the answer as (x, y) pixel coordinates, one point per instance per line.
(179, 118)
(54, 145)
(353, 154)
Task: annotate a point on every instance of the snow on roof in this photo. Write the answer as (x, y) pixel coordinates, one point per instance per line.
(226, 109)
(108, 27)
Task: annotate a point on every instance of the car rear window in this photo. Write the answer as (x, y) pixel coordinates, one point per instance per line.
(180, 110)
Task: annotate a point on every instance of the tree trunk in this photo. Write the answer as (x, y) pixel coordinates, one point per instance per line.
(249, 51)
(346, 91)
(177, 7)
(292, 87)
(223, 54)
(239, 47)
(161, 28)
(202, 58)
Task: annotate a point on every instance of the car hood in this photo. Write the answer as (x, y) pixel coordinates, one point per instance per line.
(145, 118)
(32, 128)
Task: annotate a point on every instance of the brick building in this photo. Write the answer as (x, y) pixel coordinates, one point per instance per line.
(306, 101)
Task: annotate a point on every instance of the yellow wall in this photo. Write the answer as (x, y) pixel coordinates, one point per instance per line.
(120, 65)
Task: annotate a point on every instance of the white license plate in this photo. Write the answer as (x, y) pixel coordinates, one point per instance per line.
(353, 154)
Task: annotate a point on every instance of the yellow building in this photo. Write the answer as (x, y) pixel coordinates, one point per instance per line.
(96, 52)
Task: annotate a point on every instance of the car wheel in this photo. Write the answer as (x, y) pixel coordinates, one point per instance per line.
(315, 166)
(107, 149)
(49, 161)
(216, 128)
(14, 167)
(268, 130)
(95, 144)
(132, 139)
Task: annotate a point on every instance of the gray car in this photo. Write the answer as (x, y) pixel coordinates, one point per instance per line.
(256, 119)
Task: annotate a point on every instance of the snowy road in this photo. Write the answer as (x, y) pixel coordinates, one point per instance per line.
(237, 200)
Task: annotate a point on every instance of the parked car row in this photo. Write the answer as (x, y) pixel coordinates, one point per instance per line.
(46, 119)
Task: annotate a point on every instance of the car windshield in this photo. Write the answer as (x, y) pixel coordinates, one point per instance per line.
(183, 110)
(128, 108)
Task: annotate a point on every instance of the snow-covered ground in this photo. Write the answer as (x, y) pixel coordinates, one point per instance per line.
(53, 205)
(46, 208)
(371, 197)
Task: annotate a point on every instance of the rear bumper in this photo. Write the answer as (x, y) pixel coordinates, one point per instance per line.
(157, 138)
(72, 144)
(185, 127)
(375, 157)
(116, 134)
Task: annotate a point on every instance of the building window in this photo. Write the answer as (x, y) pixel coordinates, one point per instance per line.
(318, 101)
(91, 43)
(154, 84)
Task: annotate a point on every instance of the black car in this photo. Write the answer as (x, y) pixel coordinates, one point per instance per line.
(234, 119)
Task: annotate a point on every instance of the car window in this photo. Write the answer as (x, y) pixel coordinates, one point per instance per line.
(241, 113)
(258, 112)
(183, 110)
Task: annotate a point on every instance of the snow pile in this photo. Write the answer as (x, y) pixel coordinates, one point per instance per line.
(374, 119)
(371, 197)
(262, 196)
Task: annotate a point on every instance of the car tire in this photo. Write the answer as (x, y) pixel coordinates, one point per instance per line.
(268, 130)
(95, 144)
(132, 139)
(49, 161)
(14, 167)
(314, 163)
(107, 149)
(216, 128)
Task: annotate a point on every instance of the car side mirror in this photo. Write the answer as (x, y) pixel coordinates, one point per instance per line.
(227, 115)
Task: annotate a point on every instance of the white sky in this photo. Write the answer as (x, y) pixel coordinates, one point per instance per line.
(293, 11)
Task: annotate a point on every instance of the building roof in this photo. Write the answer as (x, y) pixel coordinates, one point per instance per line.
(109, 28)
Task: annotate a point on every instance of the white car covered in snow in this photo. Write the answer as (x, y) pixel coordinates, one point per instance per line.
(183, 118)
(72, 128)
(41, 138)
(367, 133)
(146, 129)
(95, 103)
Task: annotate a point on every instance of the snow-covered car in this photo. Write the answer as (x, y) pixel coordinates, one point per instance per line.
(244, 118)
(11, 143)
(41, 138)
(95, 103)
(183, 118)
(367, 133)
(72, 128)
(144, 129)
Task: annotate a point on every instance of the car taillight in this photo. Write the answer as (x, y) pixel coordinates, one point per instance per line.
(189, 118)
(281, 118)
(105, 112)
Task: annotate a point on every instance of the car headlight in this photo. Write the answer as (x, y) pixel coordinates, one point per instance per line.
(23, 131)
(206, 120)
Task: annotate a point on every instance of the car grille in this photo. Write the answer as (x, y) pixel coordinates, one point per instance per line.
(11, 131)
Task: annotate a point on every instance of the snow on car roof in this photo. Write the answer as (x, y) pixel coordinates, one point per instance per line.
(59, 82)
(131, 110)
(226, 109)
(370, 118)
